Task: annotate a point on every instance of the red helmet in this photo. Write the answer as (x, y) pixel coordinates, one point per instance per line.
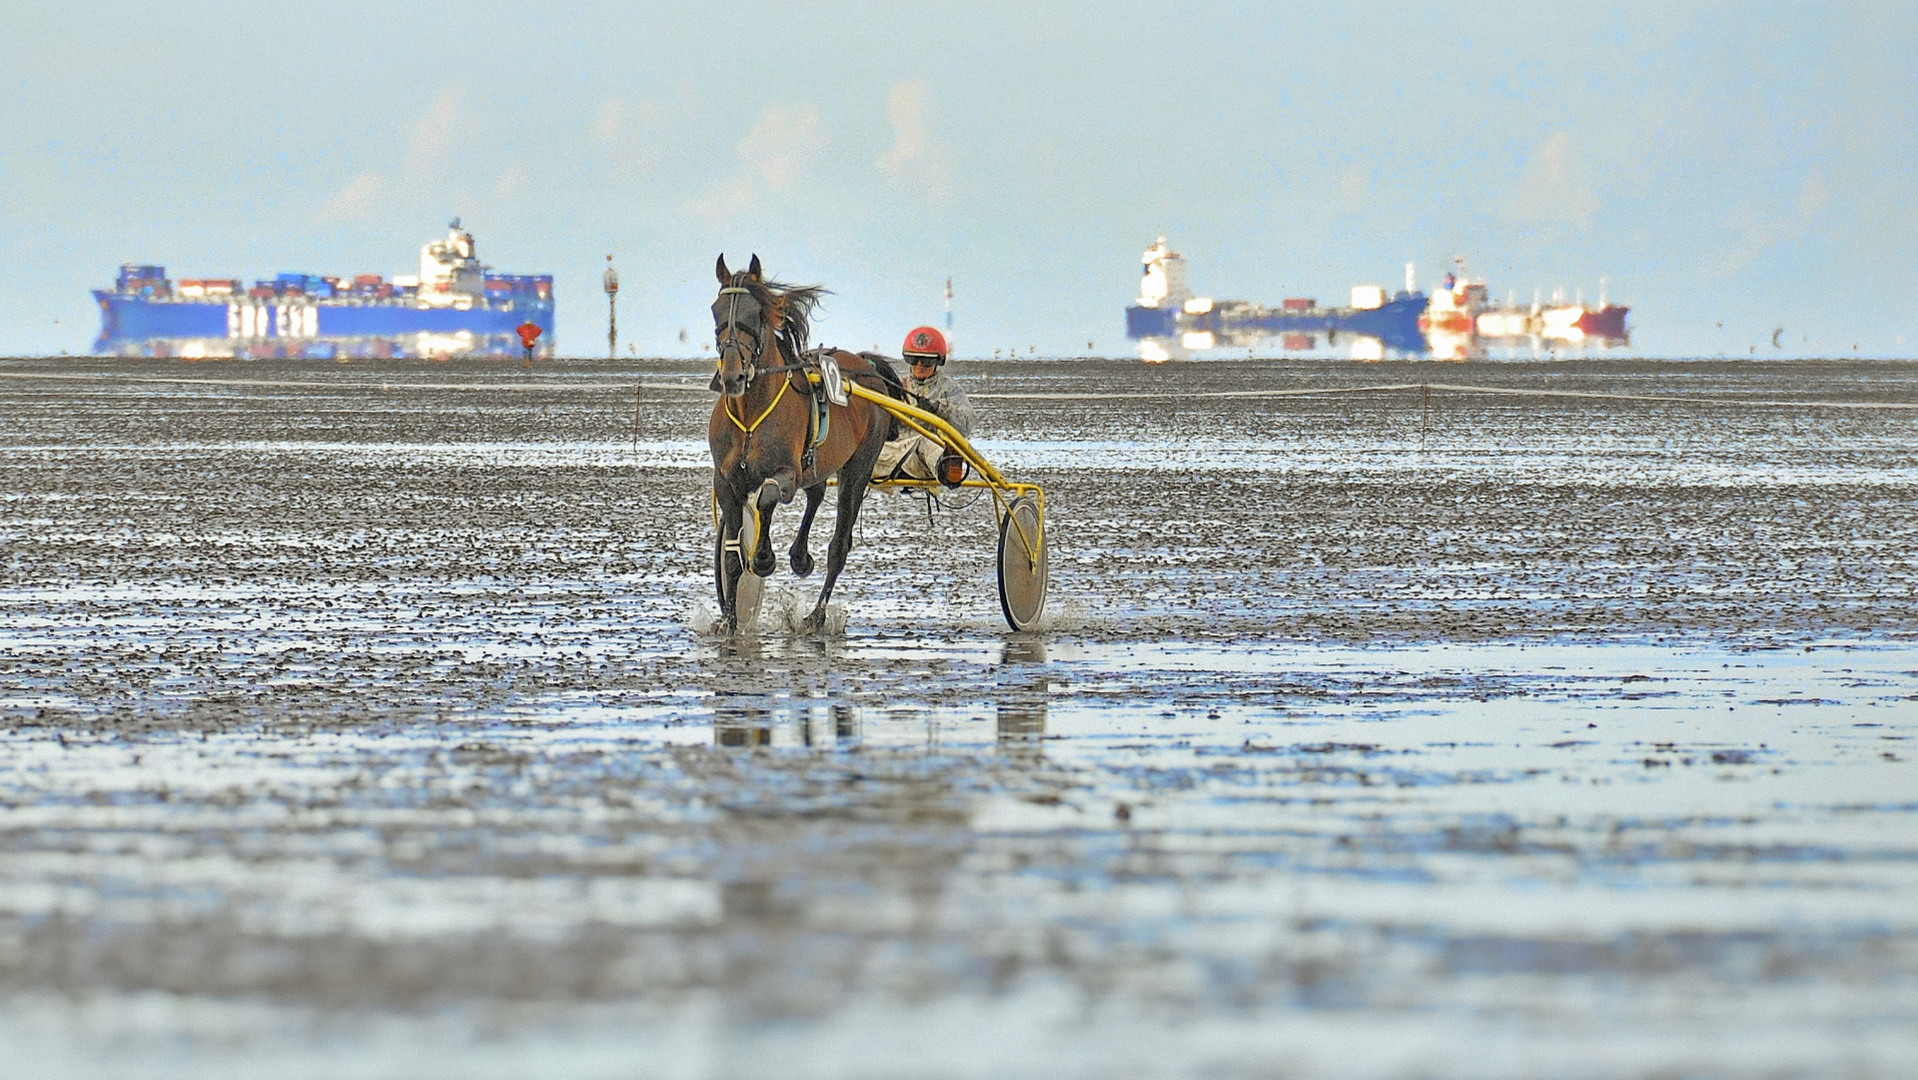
(923, 343)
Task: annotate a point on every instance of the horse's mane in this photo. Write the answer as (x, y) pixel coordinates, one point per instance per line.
(792, 306)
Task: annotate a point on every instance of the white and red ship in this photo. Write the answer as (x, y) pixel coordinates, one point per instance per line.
(1460, 322)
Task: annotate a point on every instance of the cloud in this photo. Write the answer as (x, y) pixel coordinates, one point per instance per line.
(359, 199)
(513, 182)
(1813, 197)
(1762, 230)
(436, 138)
(1555, 188)
(1355, 186)
(630, 133)
(917, 158)
(783, 145)
(432, 143)
(776, 156)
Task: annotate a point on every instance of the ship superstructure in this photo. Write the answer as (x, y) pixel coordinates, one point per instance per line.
(454, 306)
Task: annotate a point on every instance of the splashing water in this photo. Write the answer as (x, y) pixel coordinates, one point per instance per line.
(1062, 614)
(785, 609)
(702, 618)
(781, 610)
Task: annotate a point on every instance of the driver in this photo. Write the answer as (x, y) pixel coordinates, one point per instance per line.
(912, 454)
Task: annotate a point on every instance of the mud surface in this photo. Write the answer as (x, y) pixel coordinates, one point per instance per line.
(367, 721)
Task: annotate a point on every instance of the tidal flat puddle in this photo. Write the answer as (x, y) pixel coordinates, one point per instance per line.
(1239, 847)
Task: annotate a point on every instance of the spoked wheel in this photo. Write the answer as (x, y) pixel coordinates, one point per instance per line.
(1022, 564)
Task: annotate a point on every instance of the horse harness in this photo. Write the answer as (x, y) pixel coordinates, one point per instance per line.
(822, 385)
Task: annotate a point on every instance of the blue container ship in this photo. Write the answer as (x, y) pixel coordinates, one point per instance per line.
(1169, 323)
(455, 306)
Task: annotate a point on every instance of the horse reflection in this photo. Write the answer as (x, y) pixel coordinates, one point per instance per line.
(826, 723)
(742, 724)
(807, 722)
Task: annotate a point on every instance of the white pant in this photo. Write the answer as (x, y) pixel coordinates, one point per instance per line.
(912, 454)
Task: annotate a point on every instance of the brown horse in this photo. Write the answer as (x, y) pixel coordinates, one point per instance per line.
(760, 429)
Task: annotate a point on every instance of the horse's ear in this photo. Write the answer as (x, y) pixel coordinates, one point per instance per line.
(752, 271)
(720, 269)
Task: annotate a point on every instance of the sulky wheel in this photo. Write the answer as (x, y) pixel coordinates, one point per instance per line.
(1022, 564)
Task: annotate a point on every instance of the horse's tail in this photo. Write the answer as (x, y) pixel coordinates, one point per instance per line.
(895, 389)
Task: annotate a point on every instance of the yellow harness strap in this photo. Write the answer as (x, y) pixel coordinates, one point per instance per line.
(783, 384)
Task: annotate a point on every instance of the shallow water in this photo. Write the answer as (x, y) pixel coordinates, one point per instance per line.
(366, 723)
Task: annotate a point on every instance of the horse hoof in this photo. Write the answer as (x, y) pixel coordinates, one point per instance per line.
(801, 563)
(814, 623)
(765, 563)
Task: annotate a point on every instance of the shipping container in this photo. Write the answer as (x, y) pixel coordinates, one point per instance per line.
(134, 276)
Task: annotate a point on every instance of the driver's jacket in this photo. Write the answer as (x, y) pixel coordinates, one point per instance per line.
(943, 397)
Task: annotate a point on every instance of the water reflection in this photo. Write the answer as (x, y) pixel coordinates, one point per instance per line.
(1023, 651)
(739, 647)
(1022, 729)
(754, 901)
(742, 722)
(802, 721)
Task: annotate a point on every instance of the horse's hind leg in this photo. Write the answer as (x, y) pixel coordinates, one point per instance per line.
(764, 562)
(799, 556)
(852, 492)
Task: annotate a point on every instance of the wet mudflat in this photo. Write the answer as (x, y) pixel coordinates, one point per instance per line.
(367, 721)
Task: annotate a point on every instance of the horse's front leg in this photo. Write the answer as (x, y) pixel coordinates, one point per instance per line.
(852, 492)
(775, 490)
(728, 562)
(799, 556)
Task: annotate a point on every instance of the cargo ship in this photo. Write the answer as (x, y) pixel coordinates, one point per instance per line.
(1457, 322)
(1461, 322)
(454, 306)
(1170, 323)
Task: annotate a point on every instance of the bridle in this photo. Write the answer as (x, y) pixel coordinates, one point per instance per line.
(753, 327)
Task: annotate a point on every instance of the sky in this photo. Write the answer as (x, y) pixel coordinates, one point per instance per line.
(1727, 169)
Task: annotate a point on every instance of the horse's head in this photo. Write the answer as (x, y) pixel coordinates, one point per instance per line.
(758, 324)
(745, 325)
